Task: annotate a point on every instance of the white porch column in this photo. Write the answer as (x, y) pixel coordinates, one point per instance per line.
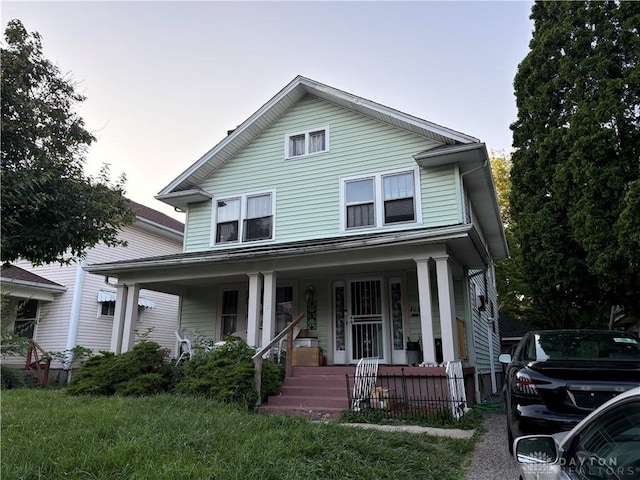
(253, 313)
(447, 306)
(426, 317)
(118, 319)
(269, 307)
(130, 317)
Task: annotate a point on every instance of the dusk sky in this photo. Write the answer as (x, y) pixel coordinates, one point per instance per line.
(164, 81)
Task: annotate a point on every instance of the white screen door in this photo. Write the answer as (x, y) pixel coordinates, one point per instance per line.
(366, 333)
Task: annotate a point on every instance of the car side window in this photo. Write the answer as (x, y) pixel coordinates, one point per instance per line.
(608, 448)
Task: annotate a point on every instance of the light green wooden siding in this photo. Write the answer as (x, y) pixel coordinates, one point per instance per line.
(440, 196)
(198, 226)
(307, 188)
(198, 311)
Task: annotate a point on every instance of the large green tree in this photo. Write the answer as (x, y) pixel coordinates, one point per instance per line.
(513, 298)
(49, 206)
(576, 168)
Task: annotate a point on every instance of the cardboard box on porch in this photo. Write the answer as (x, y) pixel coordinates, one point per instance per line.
(306, 357)
(383, 398)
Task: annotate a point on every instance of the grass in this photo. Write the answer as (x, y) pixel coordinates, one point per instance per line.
(49, 435)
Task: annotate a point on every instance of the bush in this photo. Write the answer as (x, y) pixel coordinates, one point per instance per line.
(142, 371)
(227, 374)
(11, 378)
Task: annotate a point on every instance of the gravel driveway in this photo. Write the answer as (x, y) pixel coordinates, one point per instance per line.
(491, 459)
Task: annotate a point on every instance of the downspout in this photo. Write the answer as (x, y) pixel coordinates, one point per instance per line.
(74, 319)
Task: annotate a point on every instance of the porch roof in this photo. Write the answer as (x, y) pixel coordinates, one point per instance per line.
(21, 283)
(395, 249)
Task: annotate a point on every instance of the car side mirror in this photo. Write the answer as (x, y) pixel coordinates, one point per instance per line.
(504, 358)
(536, 449)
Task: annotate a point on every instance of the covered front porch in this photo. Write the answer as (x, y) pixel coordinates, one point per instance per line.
(362, 296)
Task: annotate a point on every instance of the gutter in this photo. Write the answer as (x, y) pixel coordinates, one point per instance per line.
(458, 231)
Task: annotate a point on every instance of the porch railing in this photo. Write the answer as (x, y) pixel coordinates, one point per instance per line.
(258, 357)
(36, 365)
(409, 395)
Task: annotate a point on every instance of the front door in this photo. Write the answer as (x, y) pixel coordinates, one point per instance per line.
(366, 326)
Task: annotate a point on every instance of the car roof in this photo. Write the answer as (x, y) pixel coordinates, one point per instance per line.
(587, 331)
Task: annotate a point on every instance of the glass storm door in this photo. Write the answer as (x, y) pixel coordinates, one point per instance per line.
(366, 333)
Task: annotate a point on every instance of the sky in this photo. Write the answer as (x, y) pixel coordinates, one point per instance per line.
(165, 81)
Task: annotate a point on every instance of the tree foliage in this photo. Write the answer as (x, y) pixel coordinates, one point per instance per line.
(576, 169)
(513, 298)
(49, 206)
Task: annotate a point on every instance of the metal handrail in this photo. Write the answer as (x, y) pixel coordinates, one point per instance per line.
(257, 358)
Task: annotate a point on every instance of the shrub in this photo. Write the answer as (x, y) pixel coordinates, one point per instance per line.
(11, 378)
(227, 374)
(142, 371)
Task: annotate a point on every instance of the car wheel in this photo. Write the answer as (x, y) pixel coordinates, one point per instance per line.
(509, 437)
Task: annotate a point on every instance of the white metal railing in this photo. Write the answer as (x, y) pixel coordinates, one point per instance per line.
(455, 378)
(364, 381)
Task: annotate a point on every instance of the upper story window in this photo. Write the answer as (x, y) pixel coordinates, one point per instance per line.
(380, 199)
(307, 143)
(244, 218)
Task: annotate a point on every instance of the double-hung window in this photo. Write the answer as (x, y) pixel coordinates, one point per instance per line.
(307, 143)
(380, 199)
(257, 224)
(360, 198)
(398, 198)
(244, 218)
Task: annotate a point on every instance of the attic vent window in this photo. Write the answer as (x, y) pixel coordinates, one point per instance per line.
(305, 143)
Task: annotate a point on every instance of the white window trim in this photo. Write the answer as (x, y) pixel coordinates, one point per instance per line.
(287, 153)
(243, 216)
(379, 201)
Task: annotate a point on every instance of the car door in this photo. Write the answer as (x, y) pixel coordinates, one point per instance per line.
(607, 447)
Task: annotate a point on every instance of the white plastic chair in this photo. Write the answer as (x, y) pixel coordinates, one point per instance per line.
(185, 345)
(282, 344)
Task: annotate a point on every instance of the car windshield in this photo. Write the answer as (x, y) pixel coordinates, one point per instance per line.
(582, 345)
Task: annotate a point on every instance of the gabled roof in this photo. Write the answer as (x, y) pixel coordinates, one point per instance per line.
(155, 217)
(20, 283)
(185, 188)
(11, 272)
(512, 328)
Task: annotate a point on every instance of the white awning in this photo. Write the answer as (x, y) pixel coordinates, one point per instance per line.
(106, 296)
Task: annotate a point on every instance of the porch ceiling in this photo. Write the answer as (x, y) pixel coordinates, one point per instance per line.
(392, 252)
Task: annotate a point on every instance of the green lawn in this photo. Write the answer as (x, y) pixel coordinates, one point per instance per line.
(49, 435)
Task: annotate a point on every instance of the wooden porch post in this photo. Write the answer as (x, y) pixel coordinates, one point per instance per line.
(118, 319)
(269, 308)
(130, 317)
(447, 306)
(426, 317)
(253, 314)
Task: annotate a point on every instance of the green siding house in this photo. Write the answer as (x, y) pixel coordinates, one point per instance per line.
(379, 226)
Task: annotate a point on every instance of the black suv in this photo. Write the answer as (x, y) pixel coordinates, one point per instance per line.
(557, 377)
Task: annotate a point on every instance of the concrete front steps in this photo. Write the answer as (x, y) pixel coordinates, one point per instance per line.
(316, 392)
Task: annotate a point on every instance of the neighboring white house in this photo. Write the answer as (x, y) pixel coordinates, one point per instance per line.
(378, 225)
(63, 306)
